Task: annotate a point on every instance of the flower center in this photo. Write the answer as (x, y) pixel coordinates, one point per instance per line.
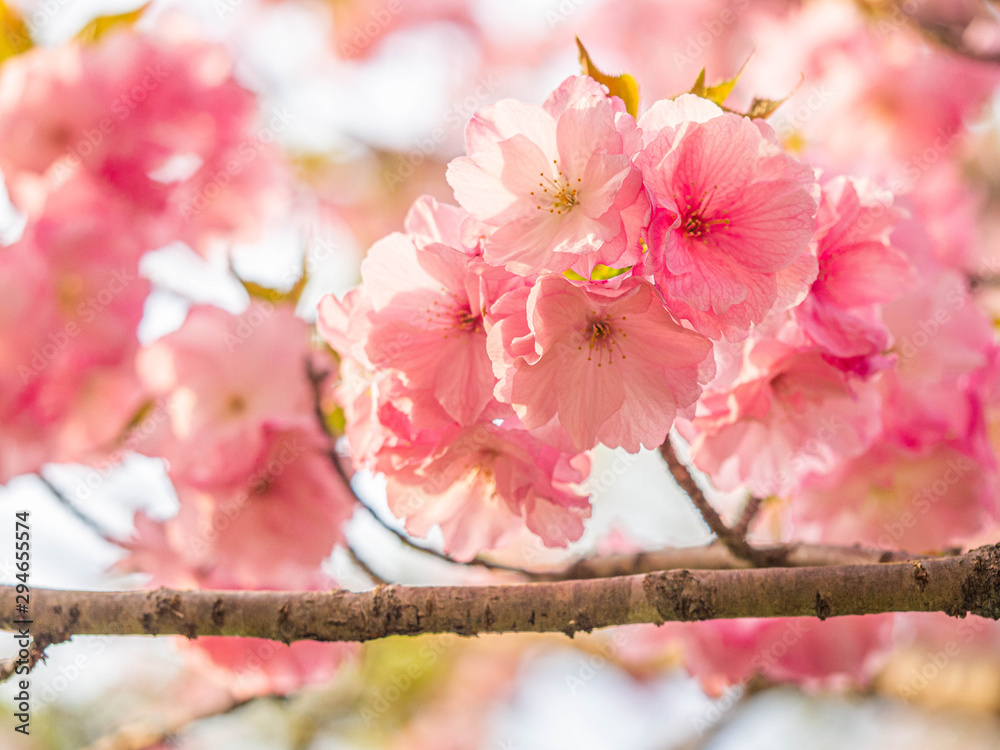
(470, 321)
(452, 313)
(69, 290)
(480, 476)
(600, 334)
(559, 191)
(696, 222)
(236, 404)
(598, 330)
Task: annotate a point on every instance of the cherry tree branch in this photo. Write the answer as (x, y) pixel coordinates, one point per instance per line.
(747, 516)
(717, 556)
(948, 35)
(968, 583)
(734, 539)
(79, 515)
(952, 38)
(36, 654)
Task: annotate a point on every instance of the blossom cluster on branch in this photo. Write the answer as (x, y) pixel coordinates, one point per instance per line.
(604, 278)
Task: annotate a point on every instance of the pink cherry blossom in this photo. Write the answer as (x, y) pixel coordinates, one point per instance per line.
(251, 667)
(556, 182)
(834, 653)
(279, 522)
(73, 301)
(790, 410)
(899, 498)
(220, 400)
(732, 211)
(482, 484)
(944, 345)
(271, 528)
(160, 121)
(872, 103)
(428, 302)
(858, 270)
(611, 370)
(358, 390)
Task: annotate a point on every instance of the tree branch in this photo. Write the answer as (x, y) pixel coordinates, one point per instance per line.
(79, 515)
(968, 583)
(8, 667)
(717, 556)
(734, 540)
(747, 516)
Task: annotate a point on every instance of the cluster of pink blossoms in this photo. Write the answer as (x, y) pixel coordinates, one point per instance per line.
(109, 151)
(604, 278)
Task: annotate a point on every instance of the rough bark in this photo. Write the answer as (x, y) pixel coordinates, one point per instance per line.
(968, 583)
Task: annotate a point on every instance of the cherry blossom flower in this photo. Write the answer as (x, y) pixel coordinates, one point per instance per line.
(615, 370)
(556, 182)
(834, 653)
(161, 121)
(251, 667)
(858, 270)
(732, 212)
(73, 301)
(276, 525)
(270, 528)
(426, 323)
(219, 399)
(944, 346)
(790, 410)
(482, 484)
(898, 498)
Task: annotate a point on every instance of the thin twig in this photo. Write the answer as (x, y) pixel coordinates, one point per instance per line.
(82, 517)
(357, 560)
(717, 556)
(981, 281)
(725, 556)
(951, 36)
(736, 542)
(749, 513)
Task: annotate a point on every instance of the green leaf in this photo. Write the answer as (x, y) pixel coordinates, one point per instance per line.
(276, 296)
(15, 38)
(699, 85)
(336, 421)
(101, 25)
(718, 92)
(601, 272)
(623, 86)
